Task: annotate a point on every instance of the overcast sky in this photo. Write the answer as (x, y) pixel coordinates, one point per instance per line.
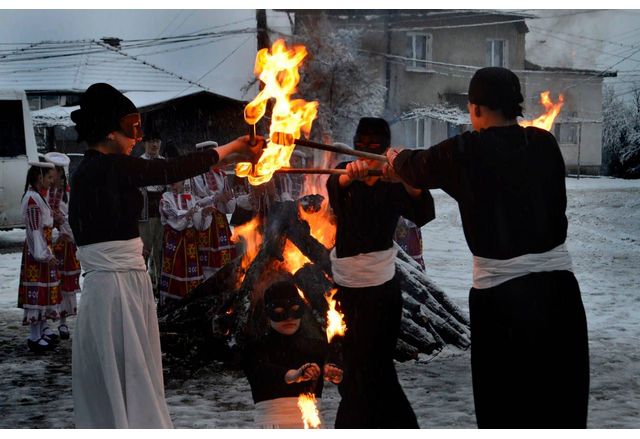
(567, 38)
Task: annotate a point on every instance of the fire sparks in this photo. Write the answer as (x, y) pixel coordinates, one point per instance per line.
(335, 322)
(278, 70)
(551, 112)
(310, 414)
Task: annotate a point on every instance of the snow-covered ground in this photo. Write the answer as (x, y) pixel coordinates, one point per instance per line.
(604, 241)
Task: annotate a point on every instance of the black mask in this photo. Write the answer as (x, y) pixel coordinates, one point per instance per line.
(282, 301)
(281, 310)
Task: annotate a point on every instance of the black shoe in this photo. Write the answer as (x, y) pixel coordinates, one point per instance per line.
(64, 332)
(52, 339)
(35, 346)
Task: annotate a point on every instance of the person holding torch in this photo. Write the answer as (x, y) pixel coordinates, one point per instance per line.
(529, 345)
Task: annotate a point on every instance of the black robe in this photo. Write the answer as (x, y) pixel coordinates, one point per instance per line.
(366, 219)
(529, 347)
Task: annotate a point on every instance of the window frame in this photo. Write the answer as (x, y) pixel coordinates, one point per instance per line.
(505, 52)
(413, 64)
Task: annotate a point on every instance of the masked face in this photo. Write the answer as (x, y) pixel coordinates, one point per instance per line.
(370, 143)
(131, 126)
(285, 315)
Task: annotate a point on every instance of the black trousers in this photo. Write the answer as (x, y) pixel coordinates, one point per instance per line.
(371, 394)
(529, 353)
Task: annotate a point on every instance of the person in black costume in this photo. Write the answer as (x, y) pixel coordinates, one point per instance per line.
(367, 210)
(285, 363)
(529, 346)
(116, 360)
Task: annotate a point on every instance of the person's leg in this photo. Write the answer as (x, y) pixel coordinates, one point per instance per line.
(371, 394)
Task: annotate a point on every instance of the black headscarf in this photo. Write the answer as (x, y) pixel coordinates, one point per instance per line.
(497, 88)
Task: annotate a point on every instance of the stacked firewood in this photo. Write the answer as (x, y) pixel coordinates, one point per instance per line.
(218, 317)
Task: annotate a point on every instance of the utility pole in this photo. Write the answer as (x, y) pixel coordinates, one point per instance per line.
(261, 27)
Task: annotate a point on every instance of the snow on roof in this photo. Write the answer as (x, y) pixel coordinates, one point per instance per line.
(53, 116)
(439, 112)
(73, 66)
(457, 116)
(61, 116)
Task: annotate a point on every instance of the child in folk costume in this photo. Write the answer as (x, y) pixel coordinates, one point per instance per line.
(182, 219)
(212, 190)
(38, 293)
(64, 246)
(285, 363)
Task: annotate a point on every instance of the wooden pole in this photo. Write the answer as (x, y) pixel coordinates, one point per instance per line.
(341, 150)
(370, 172)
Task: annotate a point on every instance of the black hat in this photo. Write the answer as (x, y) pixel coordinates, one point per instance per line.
(497, 88)
(101, 108)
(374, 127)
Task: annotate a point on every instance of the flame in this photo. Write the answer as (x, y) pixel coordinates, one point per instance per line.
(294, 259)
(321, 223)
(335, 322)
(278, 70)
(252, 237)
(551, 112)
(310, 414)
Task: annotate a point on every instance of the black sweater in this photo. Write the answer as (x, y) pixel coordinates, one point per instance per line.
(267, 360)
(509, 183)
(105, 202)
(367, 216)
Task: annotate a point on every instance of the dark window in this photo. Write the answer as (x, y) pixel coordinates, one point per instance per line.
(12, 141)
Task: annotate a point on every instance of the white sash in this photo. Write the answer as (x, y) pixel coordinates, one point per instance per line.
(112, 256)
(488, 273)
(364, 270)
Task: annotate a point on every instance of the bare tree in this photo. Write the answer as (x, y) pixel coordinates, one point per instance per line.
(340, 77)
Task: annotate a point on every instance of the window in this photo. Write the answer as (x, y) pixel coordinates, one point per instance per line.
(453, 129)
(34, 103)
(566, 133)
(12, 141)
(496, 53)
(418, 51)
(49, 101)
(418, 133)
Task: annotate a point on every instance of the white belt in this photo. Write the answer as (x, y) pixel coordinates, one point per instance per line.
(119, 256)
(364, 270)
(488, 273)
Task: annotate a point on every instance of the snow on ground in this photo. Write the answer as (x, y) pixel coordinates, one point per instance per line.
(603, 239)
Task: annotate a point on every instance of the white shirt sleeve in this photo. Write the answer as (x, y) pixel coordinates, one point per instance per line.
(36, 241)
(171, 214)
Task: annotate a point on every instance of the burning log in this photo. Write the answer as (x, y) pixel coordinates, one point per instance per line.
(218, 316)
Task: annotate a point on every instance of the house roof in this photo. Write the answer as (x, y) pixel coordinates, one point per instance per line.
(61, 116)
(531, 67)
(73, 66)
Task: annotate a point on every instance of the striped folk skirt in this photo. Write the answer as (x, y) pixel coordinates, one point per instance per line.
(39, 288)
